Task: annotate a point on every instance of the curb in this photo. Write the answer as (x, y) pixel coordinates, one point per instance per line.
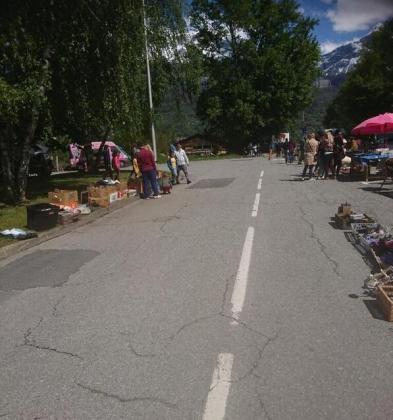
(23, 245)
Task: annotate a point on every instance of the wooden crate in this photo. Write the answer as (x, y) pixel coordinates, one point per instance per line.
(385, 302)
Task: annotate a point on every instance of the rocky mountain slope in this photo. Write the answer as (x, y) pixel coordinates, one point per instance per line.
(336, 64)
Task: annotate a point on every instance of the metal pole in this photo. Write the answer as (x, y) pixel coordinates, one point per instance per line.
(153, 132)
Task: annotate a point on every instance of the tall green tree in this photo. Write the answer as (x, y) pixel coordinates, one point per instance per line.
(78, 68)
(368, 90)
(260, 60)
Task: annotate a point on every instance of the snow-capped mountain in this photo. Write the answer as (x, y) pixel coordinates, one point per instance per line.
(336, 64)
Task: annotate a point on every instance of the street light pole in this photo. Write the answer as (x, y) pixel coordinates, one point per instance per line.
(153, 131)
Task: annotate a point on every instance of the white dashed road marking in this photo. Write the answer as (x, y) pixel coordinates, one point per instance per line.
(219, 388)
(256, 205)
(240, 287)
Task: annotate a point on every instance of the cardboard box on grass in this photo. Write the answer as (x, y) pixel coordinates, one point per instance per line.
(63, 198)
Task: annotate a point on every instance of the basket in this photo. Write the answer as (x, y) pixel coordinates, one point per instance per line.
(385, 302)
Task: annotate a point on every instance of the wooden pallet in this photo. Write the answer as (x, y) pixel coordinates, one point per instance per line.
(385, 302)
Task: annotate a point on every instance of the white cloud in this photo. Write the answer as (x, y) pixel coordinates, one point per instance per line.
(357, 15)
(328, 46)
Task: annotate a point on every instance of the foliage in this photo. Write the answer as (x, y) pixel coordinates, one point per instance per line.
(315, 112)
(368, 90)
(260, 60)
(78, 69)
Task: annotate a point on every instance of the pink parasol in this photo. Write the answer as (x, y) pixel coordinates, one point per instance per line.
(380, 124)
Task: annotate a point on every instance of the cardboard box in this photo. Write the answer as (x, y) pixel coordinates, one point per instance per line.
(345, 209)
(63, 198)
(122, 186)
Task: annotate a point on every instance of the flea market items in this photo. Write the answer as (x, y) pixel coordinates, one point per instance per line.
(377, 242)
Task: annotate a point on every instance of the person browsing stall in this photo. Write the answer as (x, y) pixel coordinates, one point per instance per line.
(147, 166)
(182, 162)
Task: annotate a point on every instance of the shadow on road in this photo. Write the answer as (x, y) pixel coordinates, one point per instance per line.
(378, 191)
(373, 308)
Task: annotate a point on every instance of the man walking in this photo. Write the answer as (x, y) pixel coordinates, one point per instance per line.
(182, 162)
(147, 166)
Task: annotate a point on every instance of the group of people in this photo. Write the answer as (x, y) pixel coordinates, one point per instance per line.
(285, 148)
(253, 150)
(144, 164)
(323, 155)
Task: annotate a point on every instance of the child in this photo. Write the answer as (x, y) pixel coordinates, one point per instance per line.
(116, 164)
(166, 183)
(171, 162)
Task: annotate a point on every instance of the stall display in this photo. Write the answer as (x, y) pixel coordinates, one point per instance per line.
(67, 217)
(369, 164)
(104, 194)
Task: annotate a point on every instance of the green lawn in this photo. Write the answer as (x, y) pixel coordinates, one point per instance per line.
(37, 192)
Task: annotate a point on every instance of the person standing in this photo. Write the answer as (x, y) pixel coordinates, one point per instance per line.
(338, 154)
(291, 150)
(171, 163)
(328, 144)
(285, 148)
(310, 148)
(116, 164)
(107, 153)
(147, 166)
(182, 163)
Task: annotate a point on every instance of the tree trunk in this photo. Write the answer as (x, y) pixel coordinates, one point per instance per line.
(15, 161)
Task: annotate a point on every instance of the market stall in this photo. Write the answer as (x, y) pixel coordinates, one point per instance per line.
(373, 163)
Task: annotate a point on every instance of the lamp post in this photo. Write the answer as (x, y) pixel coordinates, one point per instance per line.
(153, 131)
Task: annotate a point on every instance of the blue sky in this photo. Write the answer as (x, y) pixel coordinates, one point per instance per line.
(342, 21)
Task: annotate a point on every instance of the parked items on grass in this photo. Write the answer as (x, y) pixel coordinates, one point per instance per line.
(63, 198)
(17, 233)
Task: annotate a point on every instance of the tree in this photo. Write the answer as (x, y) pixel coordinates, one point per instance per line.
(368, 89)
(77, 68)
(260, 60)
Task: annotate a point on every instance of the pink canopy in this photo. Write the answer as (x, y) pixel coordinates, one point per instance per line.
(380, 124)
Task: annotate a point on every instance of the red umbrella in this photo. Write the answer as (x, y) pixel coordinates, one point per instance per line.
(380, 124)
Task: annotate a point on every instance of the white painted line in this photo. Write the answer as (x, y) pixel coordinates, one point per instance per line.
(256, 205)
(240, 287)
(219, 388)
(262, 173)
(260, 183)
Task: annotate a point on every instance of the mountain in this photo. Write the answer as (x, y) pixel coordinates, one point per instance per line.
(336, 64)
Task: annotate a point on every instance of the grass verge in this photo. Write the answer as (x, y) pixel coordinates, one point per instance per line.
(37, 192)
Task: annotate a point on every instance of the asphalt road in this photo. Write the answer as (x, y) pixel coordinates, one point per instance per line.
(211, 303)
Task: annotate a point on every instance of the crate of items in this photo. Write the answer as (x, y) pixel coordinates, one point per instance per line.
(63, 198)
(101, 195)
(66, 218)
(385, 302)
